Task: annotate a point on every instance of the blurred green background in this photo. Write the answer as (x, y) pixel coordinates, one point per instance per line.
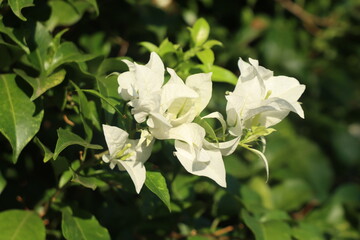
(314, 187)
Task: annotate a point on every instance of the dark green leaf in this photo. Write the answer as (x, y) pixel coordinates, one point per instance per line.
(38, 56)
(17, 35)
(20, 225)
(200, 32)
(47, 153)
(82, 228)
(2, 183)
(65, 13)
(157, 184)
(285, 198)
(67, 138)
(95, 6)
(66, 53)
(42, 83)
(18, 5)
(88, 182)
(113, 103)
(270, 230)
(20, 120)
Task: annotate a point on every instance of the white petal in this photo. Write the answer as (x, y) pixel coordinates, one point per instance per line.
(219, 117)
(155, 64)
(127, 88)
(115, 138)
(136, 171)
(213, 168)
(202, 84)
(226, 148)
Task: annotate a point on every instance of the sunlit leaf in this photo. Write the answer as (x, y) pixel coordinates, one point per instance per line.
(200, 32)
(219, 74)
(85, 227)
(20, 225)
(157, 184)
(206, 57)
(67, 138)
(18, 5)
(20, 120)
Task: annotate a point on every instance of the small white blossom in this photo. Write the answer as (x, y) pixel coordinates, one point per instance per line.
(128, 154)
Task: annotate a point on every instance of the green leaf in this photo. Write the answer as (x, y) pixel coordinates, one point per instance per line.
(206, 57)
(18, 5)
(88, 182)
(20, 120)
(307, 231)
(65, 13)
(2, 183)
(210, 43)
(219, 74)
(149, 46)
(66, 53)
(270, 230)
(47, 153)
(166, 47)
(208, 129)
(42, 83)
(86, 227)
(17, 35)
(38, 56)
(94, 5)
(67, 138)
(200, 32)
(113, 103)
(285, 198)
(157, 184)
(20, 225)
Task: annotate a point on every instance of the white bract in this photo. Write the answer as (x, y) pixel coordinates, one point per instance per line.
(141, 86)
(128, 154)
(261, 99)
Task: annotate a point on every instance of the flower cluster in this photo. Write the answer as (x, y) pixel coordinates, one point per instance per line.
(172, 110)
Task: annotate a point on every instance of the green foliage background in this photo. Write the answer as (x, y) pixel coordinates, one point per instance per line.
(51, 49)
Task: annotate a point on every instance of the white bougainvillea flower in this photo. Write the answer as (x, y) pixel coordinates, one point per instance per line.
(128, 154)
(181, 101)
(141, 86)
(260, 98)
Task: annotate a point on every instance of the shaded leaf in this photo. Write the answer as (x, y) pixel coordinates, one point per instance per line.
(2, 183)
(157, 184)
(67, 138)
(113, 103)
(17, 35)
(18, 5)
(20, 225)
(46, 152)
(42, 83)
(270, 230)
(285, 198)
(86, 227)
(20, 120)
(66, 53)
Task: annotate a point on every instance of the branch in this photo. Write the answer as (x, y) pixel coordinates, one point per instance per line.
(310, 21)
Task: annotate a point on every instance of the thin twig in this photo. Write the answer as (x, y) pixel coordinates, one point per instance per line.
(311, 22)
